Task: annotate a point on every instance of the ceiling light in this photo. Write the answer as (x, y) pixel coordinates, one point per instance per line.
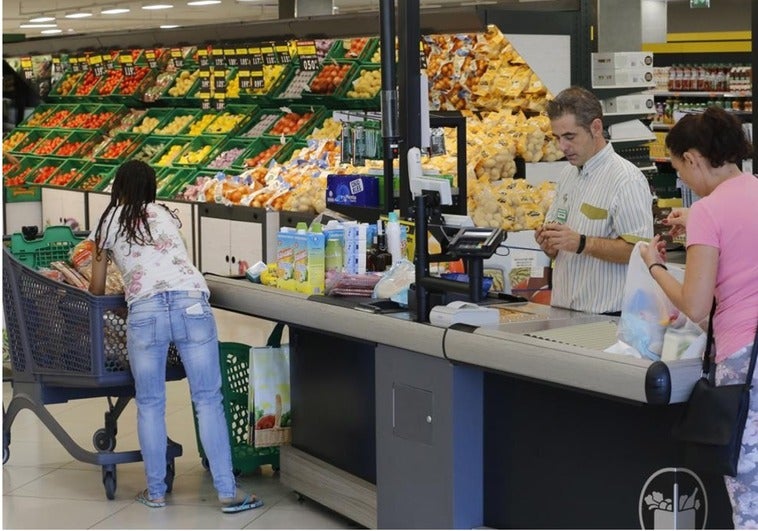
(169, 26)
(53, 25)
(203, 2)
(78, 14)
(157, 6)
(114, 10)
(41, 18)
(51, 31)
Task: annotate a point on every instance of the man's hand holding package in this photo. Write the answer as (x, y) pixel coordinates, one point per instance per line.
(558, 237)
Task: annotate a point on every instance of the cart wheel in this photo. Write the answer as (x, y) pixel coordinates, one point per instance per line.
(109, 482)
(170, 473)
(206, 464)
(6, 453)
(102, 441)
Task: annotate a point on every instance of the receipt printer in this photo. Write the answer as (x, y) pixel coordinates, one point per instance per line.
(463, 312)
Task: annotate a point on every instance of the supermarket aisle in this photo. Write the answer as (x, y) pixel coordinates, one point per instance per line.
(45, 488)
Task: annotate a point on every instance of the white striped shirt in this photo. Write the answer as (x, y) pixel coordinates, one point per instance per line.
(608, 198)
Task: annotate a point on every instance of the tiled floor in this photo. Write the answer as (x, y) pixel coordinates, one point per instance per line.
(45, 488)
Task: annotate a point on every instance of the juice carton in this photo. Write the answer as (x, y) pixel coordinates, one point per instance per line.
(315, 281)
(300, 257)
(285, 254)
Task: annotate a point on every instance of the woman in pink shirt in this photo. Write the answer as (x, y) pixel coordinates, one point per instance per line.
(722, 261)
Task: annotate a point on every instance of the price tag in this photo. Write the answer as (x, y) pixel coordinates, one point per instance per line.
(205, 82)
(422, 56)
(57, 65)
(219, 101)
(83, 64)
(74, 64)
(27, 68)
(127, 63)
(219, 81)
(231, 57)
(219, 61)
(108, 60)
(245, 62)
(152, 60)
(96, 62)
(283, 53)
(306, 50)
(256, 57)
(205, 100)
(258, 80)
(203, 59)
(269, 54)
(177, 58)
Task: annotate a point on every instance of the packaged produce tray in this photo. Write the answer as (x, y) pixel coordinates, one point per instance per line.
(177, 123)
(171, 152)
(119, 148)
(95, 177)
(229, 154)
(68, 173)
(356, 49)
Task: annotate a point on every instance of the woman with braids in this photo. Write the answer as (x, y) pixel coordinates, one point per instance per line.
(722, 262)
(168, 303)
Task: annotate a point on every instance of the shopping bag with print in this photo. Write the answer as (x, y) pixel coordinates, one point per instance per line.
(270, 383)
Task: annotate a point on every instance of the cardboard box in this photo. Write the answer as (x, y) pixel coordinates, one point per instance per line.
(631, 104)
(622, 78)
(524, 270)
(622, 61)
(352, 190)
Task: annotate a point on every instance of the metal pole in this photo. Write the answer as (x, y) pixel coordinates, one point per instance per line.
(409, 89)
(389, 97)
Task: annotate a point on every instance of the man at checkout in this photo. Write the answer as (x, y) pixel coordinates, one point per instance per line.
(602, 207)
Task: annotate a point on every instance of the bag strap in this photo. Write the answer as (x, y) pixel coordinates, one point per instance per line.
(709, 344)
(275, 337)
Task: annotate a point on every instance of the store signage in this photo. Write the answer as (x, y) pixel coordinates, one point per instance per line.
(83, 64)
(219, 61)
(306, 51)
(127, 63)
(152, 60)
(258, 79)
(96, 62)
(244, 60)
(422, 57)
(177, 58)
(700, 3)
(269, 54)
(202, 58)
(283, 53)
(256, 56)
(57, 65)
(673, 498)
(108, 59)
(27, 68)
(219, 101)
(73, 62)
(231, 57)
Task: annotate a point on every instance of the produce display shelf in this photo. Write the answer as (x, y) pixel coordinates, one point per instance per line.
(95, 177)
(226, 146)
(326, 97)
(175, 178)
(177, 113)
(173, 149)
(68, 174)
(119, 148)
(258, 146)
(341, 47)
(197, 152)
(161, 114)
(343, 101)
(151, 147)
(85, 140)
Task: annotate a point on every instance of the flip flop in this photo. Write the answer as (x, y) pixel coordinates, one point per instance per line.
(144, 499)
(249, 502)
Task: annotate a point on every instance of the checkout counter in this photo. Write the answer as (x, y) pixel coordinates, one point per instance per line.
(528, 424)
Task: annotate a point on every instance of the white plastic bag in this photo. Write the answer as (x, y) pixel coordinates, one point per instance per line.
(646, 312)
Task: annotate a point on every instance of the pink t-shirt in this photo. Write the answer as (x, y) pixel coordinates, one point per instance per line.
(727, 219)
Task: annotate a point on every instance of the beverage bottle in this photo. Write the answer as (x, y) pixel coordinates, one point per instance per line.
(333, 254)
(393, 237)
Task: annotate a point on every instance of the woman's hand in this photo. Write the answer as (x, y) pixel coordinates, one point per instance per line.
(677, 220)
(654, 252)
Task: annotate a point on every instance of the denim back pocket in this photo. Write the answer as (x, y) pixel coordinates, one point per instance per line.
(140, 332)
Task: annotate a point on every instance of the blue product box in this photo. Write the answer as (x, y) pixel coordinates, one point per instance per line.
(352, 190)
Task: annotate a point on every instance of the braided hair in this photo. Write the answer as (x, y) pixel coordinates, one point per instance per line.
(133, 189)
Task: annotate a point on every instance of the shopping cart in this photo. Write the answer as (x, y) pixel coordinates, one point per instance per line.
(66, 344)
(235, 386)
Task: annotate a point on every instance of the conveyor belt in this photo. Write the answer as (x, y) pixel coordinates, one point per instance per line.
(596, 336)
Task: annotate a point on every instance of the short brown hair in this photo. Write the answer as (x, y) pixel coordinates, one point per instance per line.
(578, 101)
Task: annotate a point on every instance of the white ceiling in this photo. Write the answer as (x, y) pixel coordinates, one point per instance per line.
(16, 12)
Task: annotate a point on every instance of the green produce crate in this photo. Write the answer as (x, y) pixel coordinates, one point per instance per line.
(293, 84)
(20, 173)
(176, 113)
(192, 155)
(203, 119)
(161, 160)
(369, 52)
(341, 47)
(171, 179)
(57, 93)
(130, 141)
(43, 172)
(44, 147)
(257, 146)
(162, 82)
(14, 138)
(288, 150)
(244, 114)
(57, 118)
(127, 121)
(30, 142)
(117, 112)
(168, 99)
(232, 143)
(78, 166)
(304, 130)
(328, 98)
(88, 142)
(135, 98)
(235, 388)
(96, 177)
(343, 101)
(38, 116)
(150, 148)
(54, 244)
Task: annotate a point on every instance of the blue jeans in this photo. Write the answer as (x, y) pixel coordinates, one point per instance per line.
(184, 318)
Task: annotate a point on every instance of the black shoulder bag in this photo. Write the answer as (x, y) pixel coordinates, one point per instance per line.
(710, 430)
